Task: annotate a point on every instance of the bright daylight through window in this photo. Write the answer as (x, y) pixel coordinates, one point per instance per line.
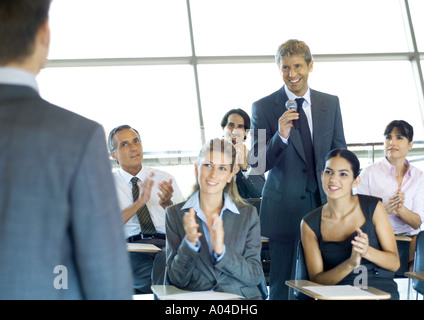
(172, 68)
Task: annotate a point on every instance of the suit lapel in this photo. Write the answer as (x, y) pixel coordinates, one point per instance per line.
(318, 114)
(279, 103)
(279, 109)
(230, 220)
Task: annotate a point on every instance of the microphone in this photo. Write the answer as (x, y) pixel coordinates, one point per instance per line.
(291, 104)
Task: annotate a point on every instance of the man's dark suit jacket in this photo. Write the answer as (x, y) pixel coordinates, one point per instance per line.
(61, 234)
(283, 196)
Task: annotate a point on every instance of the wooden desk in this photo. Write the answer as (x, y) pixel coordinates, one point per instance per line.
(169, 292)
(142, 247)
(338, 292)
(419, 275)
(403, 238)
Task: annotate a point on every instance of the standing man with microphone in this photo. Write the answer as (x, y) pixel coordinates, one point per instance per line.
(294, 156)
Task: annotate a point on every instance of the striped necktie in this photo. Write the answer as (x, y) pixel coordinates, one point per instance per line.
(143, 215)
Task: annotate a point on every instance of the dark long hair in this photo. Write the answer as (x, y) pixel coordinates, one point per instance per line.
(348, 156)
(404, 128)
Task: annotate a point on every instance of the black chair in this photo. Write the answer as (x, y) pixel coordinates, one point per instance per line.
(256, 202)
(419, 263)
(300, 272)
(403, 250)
(159, 268)
(159, 276)
(265, 256)
(403, 244)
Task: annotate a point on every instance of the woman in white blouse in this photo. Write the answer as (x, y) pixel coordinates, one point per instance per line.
(399, 184)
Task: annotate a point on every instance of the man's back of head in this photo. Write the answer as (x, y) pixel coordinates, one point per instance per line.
(20, 23)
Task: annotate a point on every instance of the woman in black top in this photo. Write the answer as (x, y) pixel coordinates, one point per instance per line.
(349, 231)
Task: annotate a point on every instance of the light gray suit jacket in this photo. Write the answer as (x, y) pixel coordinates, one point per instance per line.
(239, 271)
(61, 234)
(283, 205)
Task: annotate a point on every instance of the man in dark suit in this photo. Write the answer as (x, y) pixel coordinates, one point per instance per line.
(61, 231)
(296, 142)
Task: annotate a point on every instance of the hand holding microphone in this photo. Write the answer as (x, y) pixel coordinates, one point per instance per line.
(291, 104)
(289, 119)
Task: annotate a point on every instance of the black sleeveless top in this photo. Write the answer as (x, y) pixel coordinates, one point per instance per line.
(333, 253)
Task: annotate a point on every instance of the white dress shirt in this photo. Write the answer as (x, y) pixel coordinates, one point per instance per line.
(306, 108)
(157, 213)
(19, 77)
(194, 202)
(379, 180)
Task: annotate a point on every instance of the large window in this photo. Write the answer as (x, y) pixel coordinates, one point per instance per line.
(257, 27)
(160, 101)
(172, 68)
(372, 93)
(119, 29)
(417, 7)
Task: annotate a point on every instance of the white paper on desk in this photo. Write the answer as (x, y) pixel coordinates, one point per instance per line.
(202, 295)
(146, 247)
(339, 292)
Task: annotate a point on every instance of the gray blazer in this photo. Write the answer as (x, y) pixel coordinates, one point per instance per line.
(61, 234)
(240, 270)
(284, 190)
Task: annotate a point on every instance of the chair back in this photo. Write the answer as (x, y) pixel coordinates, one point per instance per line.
(159, 269)
(265, 255)
(403, 250)
(419, 262)
(300, 273)
(263, 287)
(256, 202)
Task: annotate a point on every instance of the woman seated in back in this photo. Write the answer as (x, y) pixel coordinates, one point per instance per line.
(399, 184)
(213, 239)
(349, 231)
